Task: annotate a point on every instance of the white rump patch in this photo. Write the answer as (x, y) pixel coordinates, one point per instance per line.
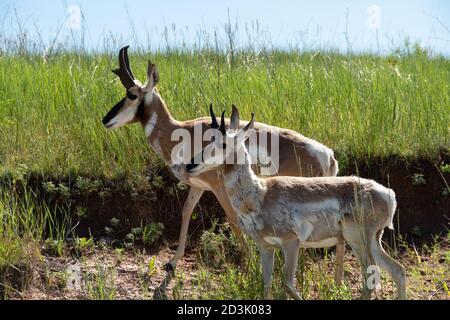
(151, 124)
(388, 196)
(321, 153)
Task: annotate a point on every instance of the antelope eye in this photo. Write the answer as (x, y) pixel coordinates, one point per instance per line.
(131, 96)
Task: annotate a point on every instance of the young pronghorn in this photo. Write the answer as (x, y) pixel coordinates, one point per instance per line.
(298, 155)
(294, 212)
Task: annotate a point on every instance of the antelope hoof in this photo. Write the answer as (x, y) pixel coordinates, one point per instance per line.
(169, 267)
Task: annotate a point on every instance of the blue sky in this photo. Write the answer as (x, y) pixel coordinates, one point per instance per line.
(308, 24)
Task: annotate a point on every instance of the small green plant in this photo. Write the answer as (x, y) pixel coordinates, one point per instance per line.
(218, 245)
(81, 212)
(86, 186)
(105, 194)
(100, 284)
(54, 247)
(158, 182)
(129, 240)
(115, 223)
(113, 228)
(148, 234)
(60, 190)
(49, 187)
(56, 279)
(119, 255)
(109, 231)
(151, 233)
(83, 245)
(445, 168)
(151, 267)
(136, 232)
(418, 179)
(64, 191)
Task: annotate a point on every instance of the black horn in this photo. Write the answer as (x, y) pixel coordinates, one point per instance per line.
(250, 124)
(222, 123)
(124, 71)
(214, 123)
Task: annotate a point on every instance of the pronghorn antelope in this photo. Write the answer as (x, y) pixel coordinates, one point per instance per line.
(294, 212)
(298, 155)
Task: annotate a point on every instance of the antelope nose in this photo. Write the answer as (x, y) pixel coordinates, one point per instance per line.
(191, 166)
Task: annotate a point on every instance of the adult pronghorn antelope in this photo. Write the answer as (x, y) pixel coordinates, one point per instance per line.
(298, 155)
(294, 212)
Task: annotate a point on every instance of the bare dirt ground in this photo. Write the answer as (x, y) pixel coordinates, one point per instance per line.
(113, 274)
(126, 272)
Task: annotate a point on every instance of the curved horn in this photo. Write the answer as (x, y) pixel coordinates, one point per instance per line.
(250, 124)
(124, 71)
(127, 62)
(214, 123)
(234, 123)
(222, 123)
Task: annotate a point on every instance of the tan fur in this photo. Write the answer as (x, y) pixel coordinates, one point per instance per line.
(295, 159)
(293, 212)
(298, 155)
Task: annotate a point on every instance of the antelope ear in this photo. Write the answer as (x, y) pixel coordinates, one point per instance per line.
(234, 122)
(152, 75)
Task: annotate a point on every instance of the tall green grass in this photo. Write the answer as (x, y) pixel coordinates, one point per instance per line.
(25, 222)
(364, 105)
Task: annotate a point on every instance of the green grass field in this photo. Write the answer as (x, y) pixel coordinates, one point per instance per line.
(51, 109)
(364, 106)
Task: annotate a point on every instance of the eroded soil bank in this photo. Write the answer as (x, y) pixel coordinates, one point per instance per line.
(421, 186)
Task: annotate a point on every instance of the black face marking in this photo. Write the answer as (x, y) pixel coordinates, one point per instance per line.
(191, 166)
(194, 163)
(141, 110)
(131, 96)
(113, 112)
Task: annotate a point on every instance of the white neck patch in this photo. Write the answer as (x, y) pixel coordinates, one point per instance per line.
(151, 124)
(148, 97)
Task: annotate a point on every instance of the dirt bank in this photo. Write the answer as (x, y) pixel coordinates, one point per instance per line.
(421, 188)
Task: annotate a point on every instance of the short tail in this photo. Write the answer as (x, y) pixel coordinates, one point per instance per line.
(391, 207)
(334, 168)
